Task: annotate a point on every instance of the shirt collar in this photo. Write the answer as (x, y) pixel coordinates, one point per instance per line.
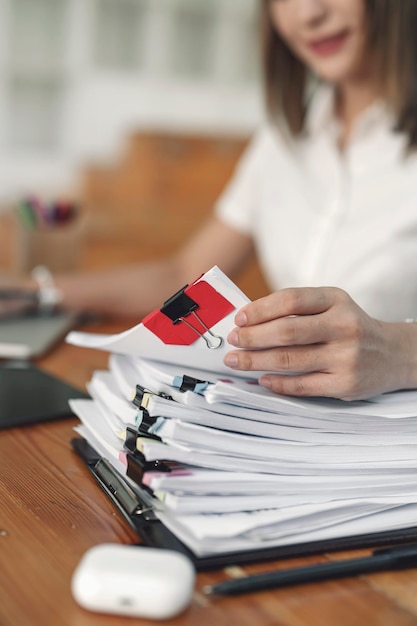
(320, 115)
(320, 109)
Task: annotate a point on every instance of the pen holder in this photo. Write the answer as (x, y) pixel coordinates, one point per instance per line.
(57, 247)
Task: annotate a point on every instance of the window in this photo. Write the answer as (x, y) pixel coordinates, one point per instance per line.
(118, 34)
(34, 110)
(193, 33)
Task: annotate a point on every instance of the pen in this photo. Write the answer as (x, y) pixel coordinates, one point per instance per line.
(381, 560)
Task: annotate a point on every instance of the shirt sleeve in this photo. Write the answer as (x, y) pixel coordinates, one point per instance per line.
(237, 205)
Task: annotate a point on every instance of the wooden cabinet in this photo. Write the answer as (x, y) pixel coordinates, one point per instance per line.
(161, 190)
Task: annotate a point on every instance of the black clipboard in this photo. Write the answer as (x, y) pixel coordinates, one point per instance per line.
(153, 533)
(29, 395)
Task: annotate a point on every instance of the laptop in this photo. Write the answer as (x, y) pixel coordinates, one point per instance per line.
(33, 334)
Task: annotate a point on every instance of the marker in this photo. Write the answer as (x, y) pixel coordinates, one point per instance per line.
(26, 214)
(382, 560)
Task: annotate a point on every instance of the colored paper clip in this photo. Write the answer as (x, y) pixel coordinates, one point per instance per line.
(172, 323)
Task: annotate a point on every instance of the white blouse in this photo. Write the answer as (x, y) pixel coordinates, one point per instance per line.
(322, 217)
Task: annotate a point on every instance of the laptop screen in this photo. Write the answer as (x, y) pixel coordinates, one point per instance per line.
(31, 335)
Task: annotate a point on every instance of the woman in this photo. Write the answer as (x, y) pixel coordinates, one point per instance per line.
(367, 53)
(326, 193)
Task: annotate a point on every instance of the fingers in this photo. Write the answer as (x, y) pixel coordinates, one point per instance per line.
(316, 384)
(286, 302)
(314, 341)
(297, 359)
(285, 331)
(296, 317)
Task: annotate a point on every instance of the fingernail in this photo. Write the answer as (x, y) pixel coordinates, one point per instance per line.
(241, 319)
(233, 338)
(231, 360)
(265, 382)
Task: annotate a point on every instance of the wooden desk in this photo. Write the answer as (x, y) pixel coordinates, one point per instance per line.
(52, 511)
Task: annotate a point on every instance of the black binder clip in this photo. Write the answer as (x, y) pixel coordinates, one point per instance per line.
(130, 439)
(180, 306)
(189, 383)
(141, 397)
(146, 425)
(132, 434)
(137, 466)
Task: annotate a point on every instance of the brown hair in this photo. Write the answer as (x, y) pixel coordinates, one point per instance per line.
(392, 28)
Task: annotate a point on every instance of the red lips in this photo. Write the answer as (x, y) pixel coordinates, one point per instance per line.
(329, 45)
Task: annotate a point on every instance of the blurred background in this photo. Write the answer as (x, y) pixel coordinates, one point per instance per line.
(137, 109)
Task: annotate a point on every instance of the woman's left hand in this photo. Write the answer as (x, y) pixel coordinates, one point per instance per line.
(319, 342)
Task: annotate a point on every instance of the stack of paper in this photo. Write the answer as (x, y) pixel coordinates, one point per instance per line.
(233, 466)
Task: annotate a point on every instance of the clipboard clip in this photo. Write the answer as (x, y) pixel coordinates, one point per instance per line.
(123, 494)
(180, 306)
